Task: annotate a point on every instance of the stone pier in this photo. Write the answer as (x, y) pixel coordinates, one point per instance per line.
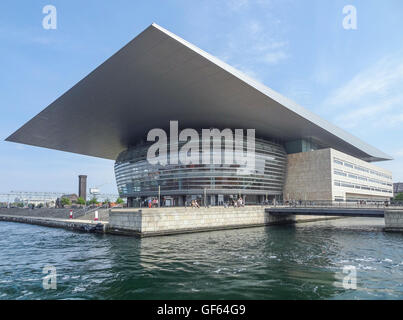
(394, 220)
(165, 221)
(70, 224)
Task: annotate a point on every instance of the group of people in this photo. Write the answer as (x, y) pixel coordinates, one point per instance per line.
(236, 204)
(152, 203)
(232, 202)
(194, 204)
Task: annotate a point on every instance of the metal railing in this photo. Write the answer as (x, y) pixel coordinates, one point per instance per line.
(337, 204)
(299, 204)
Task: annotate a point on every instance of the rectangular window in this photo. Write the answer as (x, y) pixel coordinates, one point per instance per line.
(340, 173)
(348, 165)
(338, 161)
(347, 185)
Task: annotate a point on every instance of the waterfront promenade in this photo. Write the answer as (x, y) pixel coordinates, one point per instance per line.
(145, 222)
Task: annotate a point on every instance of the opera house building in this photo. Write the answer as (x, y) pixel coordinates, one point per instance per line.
(158, 78)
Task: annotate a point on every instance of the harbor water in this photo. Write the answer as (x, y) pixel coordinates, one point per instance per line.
(303, 261)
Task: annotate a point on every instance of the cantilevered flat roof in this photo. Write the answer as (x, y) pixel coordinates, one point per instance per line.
(158, 77)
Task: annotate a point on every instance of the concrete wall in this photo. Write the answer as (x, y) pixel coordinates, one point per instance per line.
(394, 220)
(103, 215)
(123, 220)
(309, 176)
(162, 221)
(42, 212)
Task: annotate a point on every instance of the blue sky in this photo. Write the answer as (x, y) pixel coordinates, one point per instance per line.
(353, 78)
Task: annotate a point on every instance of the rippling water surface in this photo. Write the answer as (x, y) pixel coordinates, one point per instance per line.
(288, 262)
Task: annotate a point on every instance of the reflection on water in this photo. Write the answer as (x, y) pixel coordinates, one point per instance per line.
(278, 262)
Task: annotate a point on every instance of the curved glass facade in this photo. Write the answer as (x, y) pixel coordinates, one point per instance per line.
(138, 179)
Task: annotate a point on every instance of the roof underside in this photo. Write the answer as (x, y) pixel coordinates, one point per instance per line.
(158, 77)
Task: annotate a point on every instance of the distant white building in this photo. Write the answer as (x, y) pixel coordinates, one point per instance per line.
(398, 188)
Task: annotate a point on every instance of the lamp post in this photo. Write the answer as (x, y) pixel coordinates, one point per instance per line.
(159, 196)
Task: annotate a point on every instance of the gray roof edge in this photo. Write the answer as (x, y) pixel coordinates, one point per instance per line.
(287, 103)
(12, 137)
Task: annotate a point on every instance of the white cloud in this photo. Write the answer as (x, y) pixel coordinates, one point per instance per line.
(324, 73)
(373, 97)
(27, 36)
(20, 147)
(249, 72)
(247, 33)
(251, 46)
(254, 27)
(297, 90)
(377, 81)
(379, 114)
(371, 104)
(398, 154)
(275, 57)
(392, 120)
(264, 47)
(237, 5)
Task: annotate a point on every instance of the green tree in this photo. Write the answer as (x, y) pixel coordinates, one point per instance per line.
(65, 202)
(119, 201)
(81, 201)
(93, 201)
(106, 201)
(399, 197)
